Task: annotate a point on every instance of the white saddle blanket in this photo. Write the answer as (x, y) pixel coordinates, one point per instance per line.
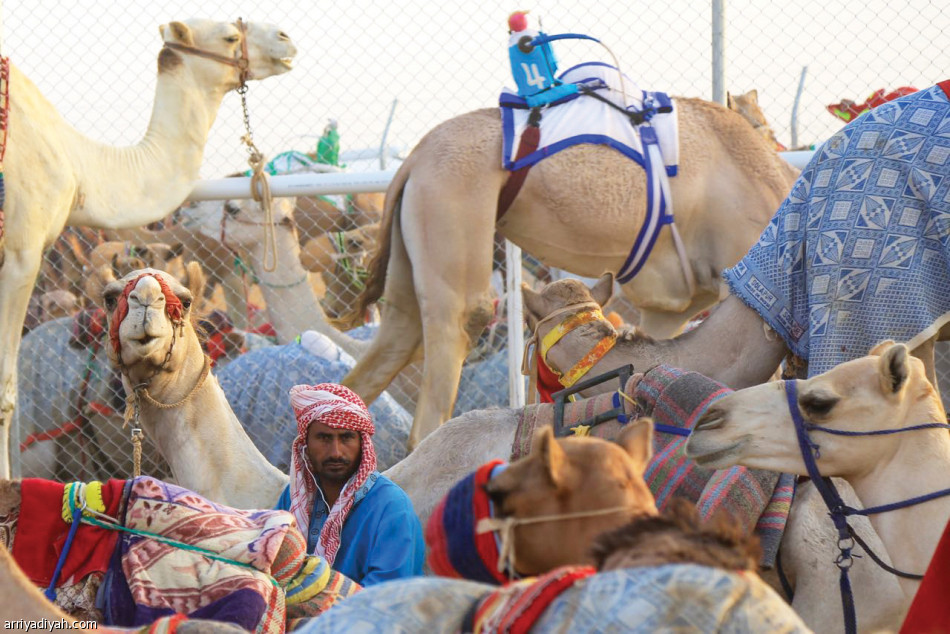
(583, 119)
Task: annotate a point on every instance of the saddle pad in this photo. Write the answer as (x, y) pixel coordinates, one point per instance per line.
(858, 251)
(581, 119)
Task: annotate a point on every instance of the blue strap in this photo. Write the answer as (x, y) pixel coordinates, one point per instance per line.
(50, 591)
(878, 432)
(669, 429)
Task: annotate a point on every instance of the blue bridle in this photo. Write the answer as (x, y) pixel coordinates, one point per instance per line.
(838, 510)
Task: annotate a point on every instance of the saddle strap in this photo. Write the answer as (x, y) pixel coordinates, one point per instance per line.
(530, 139)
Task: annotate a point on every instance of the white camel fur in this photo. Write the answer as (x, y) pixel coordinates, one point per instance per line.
(55, 176)
(200, 438)
(579, 210)
(886, 390)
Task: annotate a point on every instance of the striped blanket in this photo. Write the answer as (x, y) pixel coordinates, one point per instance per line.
(760, 500)
(858, 252)
(181, 553)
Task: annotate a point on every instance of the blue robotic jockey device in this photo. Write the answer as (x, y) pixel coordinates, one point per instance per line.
(533, 63)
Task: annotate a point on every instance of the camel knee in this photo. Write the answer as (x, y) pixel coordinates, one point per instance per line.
(477, 319)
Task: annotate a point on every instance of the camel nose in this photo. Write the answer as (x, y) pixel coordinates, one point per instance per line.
(713, 418)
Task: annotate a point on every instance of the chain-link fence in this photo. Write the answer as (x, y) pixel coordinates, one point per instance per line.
(370, 79)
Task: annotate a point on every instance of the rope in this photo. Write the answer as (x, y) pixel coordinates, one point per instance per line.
(142, 391)
(136, 452)
(505, 526)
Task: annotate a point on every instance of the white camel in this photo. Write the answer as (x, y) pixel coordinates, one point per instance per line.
(90, 184)
(579, 210)
(887, 390)
(182, 408)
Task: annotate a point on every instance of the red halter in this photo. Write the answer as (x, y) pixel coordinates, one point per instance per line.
(173, 308)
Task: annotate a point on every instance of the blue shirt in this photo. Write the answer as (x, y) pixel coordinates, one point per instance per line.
(381, 537)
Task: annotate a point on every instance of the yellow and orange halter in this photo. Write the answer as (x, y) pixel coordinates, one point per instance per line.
(591, 313)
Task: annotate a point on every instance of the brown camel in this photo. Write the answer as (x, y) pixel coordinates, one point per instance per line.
(578, 210)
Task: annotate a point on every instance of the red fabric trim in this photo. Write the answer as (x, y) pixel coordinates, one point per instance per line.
(524, 609)
(173, 308)
(548, 381)
(530, 139)
(930, 610)
(41, 533)
(101, 408)
(945, 87)
(485, 543)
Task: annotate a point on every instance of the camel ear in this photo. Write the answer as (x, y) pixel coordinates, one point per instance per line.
(114, 264)
(534, 305)
(637, 439)
(894, 368)
(549, 453)
(603, 290)
(195, 280)
(753, 95)
(96, 282)
(879, 349)
(179, 32)
(730, 102)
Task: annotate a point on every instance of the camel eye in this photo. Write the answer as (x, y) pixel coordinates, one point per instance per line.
(818, 404)
(186, 303)
(110, 301)
(231, 39)
(232, 208)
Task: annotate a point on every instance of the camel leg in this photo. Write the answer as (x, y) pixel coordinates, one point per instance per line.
(451, 252)
(400, 332)
(17, 276)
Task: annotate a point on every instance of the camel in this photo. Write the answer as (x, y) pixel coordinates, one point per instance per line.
(88, 184)
(747, 104)
(886, 390)
(647, 571)
(182, 408)
(578, 210)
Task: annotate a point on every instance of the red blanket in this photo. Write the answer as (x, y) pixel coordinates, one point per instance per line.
(41, 533)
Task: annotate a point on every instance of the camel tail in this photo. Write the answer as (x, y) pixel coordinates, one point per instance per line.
(376, 282)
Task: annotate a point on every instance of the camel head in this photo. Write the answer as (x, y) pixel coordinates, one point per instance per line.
(747, 105)
(149, 315)
(573, 476)
(270, 51)
(886, 389)
(115, 259)
(244, 221)
(341, 257)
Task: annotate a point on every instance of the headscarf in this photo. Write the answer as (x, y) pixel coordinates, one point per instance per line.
(340, 408)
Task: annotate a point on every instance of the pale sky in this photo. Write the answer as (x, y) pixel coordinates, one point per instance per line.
(95, 60)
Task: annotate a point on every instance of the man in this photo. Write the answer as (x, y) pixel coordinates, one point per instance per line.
(361, 522)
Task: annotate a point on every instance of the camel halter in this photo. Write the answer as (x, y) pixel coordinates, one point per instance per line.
(529, 360)
(839, 511)
(175, 313)
(505, 527)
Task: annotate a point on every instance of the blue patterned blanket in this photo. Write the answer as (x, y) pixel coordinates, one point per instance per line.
(858, 252)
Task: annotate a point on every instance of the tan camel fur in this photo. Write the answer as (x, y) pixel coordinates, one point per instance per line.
(573, 476)
(341, 257)
(317, 215)
(578, 210)
(55, 176)
(747, 104)
(886, 390)
(199, 436)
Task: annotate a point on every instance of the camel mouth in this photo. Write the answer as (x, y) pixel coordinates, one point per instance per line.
(286, 62)
(712, 457)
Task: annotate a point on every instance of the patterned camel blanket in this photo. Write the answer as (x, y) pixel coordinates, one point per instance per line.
(182, 553)
(858, 251)
(670, 598)
(760, 500)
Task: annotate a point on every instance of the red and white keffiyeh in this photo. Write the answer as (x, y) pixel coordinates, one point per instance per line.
(341, 408)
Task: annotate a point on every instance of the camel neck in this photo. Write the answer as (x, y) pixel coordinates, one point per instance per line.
(119, 187)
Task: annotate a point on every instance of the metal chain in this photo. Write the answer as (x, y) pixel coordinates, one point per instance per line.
(260, 187)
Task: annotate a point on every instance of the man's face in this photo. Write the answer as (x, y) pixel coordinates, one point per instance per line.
(334, 453)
